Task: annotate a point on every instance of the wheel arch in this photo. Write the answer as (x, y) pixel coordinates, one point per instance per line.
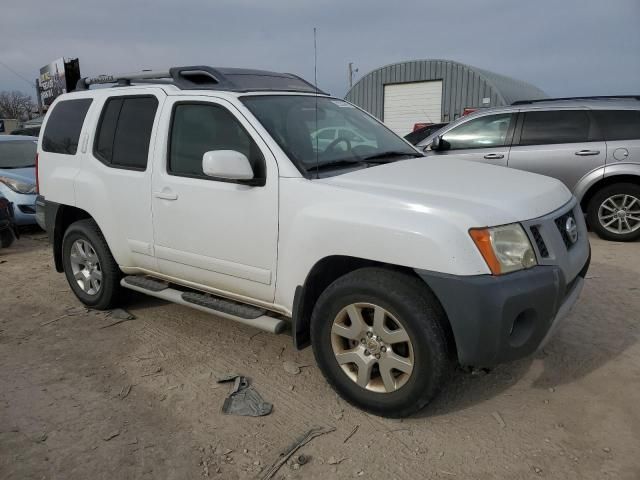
(62, 216)
(605, 182)
(325, 272)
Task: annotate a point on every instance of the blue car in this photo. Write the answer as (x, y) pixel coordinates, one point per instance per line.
(18, 176)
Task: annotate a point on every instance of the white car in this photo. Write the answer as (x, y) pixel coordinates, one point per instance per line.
(201, 186)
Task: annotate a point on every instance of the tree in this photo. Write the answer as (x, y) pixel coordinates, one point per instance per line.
(15, 104)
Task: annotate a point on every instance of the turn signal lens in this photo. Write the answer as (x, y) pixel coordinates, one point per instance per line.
(482, 239)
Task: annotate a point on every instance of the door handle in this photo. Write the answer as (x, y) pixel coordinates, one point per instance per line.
(493, 156)
(164, 195)
(586, 153)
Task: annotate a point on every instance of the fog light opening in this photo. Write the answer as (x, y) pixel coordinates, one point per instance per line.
(522, 327)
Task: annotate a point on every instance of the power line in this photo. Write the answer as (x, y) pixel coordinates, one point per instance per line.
(32, 84)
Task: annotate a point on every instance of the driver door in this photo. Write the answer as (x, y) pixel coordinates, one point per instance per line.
(481, 139)
(213, 232)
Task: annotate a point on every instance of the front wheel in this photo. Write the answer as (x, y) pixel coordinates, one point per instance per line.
(91, 270)
(614, 212)
(377, 336)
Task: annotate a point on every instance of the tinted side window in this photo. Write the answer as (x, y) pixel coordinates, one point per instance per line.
(64, 125)
(619, 124)
(556, 126)
(124, 132)
(200, 128)
(484, 132)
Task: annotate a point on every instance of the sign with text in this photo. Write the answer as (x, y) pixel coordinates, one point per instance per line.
(59, 77)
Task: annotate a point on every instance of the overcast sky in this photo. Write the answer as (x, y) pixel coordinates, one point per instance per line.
(565, 47)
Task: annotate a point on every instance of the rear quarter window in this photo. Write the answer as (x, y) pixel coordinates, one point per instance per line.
(619, 124)
(62, 132)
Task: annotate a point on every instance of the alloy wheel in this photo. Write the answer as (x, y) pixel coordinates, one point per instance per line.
(620, 214)
(372, 347)
(85, 266)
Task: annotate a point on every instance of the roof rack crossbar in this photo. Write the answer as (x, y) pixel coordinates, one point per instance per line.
(593, 97)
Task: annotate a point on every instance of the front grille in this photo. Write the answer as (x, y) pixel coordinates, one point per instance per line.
(27, 208)
(560, 223)
(542, 247)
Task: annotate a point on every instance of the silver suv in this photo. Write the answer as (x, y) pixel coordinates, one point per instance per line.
(591, 144)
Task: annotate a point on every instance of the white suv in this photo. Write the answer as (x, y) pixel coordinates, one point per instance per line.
(208, 187)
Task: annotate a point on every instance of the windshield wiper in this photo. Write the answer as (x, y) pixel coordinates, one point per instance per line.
(385, 157)
(345, 162)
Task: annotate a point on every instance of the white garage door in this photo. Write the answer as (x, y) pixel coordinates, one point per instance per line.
(408, 103)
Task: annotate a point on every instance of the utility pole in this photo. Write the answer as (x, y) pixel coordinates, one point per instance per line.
(351, 72)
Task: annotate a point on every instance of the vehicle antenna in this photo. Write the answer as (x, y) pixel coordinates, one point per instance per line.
(315, 82)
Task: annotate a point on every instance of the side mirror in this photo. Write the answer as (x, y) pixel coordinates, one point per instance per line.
(227, 164)
(436, 143)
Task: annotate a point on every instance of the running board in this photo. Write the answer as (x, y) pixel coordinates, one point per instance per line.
(238, 312)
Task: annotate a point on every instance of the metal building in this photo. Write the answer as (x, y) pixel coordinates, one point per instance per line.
(433, 91)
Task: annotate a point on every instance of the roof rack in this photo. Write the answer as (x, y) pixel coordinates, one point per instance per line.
(209, 78)
(597, 97)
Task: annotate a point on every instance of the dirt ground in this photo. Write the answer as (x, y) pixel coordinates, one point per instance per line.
(81, 398)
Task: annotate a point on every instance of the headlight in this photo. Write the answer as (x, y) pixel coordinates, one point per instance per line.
(18, 186)
(505, 249)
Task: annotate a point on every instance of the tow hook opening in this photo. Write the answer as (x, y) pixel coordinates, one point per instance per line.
(522, 327)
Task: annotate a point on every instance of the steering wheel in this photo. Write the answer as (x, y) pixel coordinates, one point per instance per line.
(333, 144)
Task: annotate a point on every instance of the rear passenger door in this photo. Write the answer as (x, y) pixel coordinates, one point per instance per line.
(565, 144)
(114, 185)
(481, 139)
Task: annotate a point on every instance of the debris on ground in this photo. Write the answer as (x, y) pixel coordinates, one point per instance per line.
(292, 368)
(126, 390)
(70, 312)
(113, 434)
(293, 448)
(335, 461)
(120, 315)
(297, 461)
(245, 400)
(155, 372)
(353, 432)
(227, 378)
(499, 419)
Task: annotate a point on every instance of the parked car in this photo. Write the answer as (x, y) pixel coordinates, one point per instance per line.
(418, 135)
(27, 131)
(8, 231)
(18, 176)
(590, 144)
(343, 137)
(365, 254)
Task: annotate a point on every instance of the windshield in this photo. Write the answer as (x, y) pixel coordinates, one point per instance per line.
(18, 154)
(336, 134)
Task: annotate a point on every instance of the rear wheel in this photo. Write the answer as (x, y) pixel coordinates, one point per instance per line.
(91, 270)
(377, 336)
(6, 238)
(614, 212)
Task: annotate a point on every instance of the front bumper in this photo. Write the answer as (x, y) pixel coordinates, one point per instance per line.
(24, 208)
(502, 318)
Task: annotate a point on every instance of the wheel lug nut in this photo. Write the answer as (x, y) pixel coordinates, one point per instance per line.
(369, 334)
(367, 353)
(383, 349)
(362, 340)
(377, 355)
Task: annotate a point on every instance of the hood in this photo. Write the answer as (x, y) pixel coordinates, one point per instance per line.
(487, 195)
(26, 175)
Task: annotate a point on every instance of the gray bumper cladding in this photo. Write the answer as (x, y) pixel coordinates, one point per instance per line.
(501, 318)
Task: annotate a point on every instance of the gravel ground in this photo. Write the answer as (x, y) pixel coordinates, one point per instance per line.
(83, 398)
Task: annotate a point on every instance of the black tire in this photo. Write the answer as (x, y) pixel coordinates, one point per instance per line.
(110, 288)
(410, 301)
(6, 238)
(599, 198)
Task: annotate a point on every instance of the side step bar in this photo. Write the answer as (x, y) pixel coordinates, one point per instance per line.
(238, 312)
